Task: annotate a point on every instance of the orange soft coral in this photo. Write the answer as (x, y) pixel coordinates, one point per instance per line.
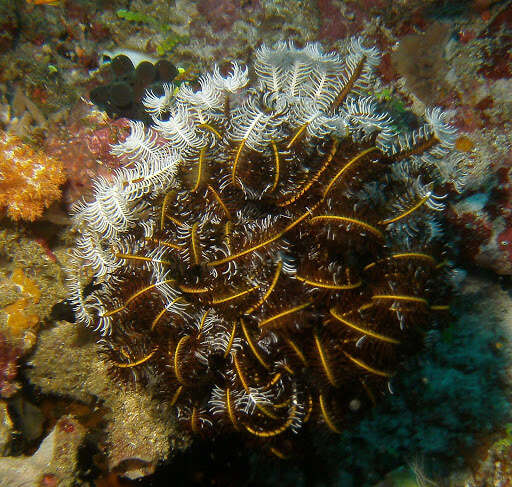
(29, 180)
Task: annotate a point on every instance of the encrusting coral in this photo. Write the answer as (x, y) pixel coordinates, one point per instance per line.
(29, 180)
(268, 255)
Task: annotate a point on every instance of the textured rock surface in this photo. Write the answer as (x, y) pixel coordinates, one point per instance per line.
(54, 463)
(140, 431)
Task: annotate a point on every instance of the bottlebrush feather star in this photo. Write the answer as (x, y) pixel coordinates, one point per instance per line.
(269, 253)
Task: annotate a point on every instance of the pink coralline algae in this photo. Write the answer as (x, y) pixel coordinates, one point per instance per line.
(83, 144)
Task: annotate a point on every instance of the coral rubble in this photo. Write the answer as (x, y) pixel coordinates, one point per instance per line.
(268, 255)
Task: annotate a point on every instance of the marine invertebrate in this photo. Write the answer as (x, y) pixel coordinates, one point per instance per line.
(132, 73)
(18, 321)
(29, 181)
(20, 318)
(266, 258)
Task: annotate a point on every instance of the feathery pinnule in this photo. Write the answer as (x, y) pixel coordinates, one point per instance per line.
(268, 248)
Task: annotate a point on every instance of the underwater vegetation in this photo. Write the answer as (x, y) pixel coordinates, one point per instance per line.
(170, 38)
(271, 252)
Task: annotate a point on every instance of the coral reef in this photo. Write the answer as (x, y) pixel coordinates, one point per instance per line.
(265, 257)
(88, 135)
(29, 181)
(459, 394)
(140, 432)
(54, 462)
(464, 64)
(31, 283)
(31, 272)
(49, 55)
(447, 404)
